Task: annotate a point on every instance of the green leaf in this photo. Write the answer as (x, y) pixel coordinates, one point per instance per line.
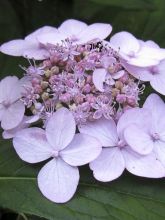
(128, 198)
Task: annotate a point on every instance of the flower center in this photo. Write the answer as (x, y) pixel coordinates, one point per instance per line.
(55, 153)
(155, 137)
(6, 104)
(121, 144)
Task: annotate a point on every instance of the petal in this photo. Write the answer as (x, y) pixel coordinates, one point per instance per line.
(43, 30)
(109, 165)
(138, 140)
(156, 106)
(13, 115)
(51, 38)
(58, 181)
(61, 128)
(82, 150)
(141, 61)
(125, 42)
(7, 87)
(142, 73)
(7, 134)
(95, 31)
(99, 79)
(145, 166)
(118, 74)
(104, 130)
(31, 145)
(72, 27)
(15, 47)
(152, 53)
(159, 149)
(36, 53)
(137, 116)
(2, 111)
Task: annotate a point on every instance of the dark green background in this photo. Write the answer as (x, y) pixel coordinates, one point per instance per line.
(128, 198)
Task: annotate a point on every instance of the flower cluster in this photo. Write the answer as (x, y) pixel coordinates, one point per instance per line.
(78, 102)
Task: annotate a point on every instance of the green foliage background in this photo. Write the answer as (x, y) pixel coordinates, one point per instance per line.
(129, 197)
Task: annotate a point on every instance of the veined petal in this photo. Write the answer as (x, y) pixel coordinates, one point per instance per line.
(72, 27)
(36, 53)
(125, 42)
(99, 79)
(51, 38)
(60, 129)
(13, 115)
(145, 166)
(109, 165)
(82, 150)
(138, 140)
(58, 181)
(95, 31)
(104, 130)
(31, 145)
(16, 47)
(159, 149)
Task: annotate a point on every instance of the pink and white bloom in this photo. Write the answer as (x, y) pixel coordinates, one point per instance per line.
(116, 155)
(59, 178)
(153, 74)
(104, 75)
(150, 136)
(136, 52)
(11, 108)
(28, 47)
(76, 31)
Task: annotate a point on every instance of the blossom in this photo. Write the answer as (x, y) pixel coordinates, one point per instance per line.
(151, 136)
(154, 74)
(29, 47)
(76, 31)
(11, 108)
(116, 154)
(136, 52)
(104, 75)
(58, 179)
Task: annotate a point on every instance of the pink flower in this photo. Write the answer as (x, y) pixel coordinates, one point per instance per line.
(11, 108)
(103, 75)
(30, 47)
(116, 154)
(76, 31)
(154, 74)
(58, 179)
(150, 136)
(136, 52)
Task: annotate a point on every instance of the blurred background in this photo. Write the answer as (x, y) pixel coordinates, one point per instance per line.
(144, 18)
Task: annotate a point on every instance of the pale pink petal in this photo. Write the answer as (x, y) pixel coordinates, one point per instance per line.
(152, 53)
(159, 149)
(104, 130)
(51, 38)
(43, 30)
(72, 27)
(118, 74)
(99, 79)
(145, 166)
(141, 61)
(109, 165)
(36, 53)
(15, 47)
(94, 31)
(7, 134)
(58, 181)
(7, 87)
(61, 128)
(82, 150)
(31, 145)
(142, 73)
(13, 115)
(2, 111)
(138, 140)
(151, 43)
(125, 42)
(133, 116)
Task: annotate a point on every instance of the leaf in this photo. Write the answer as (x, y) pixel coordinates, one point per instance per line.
(128, 198)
